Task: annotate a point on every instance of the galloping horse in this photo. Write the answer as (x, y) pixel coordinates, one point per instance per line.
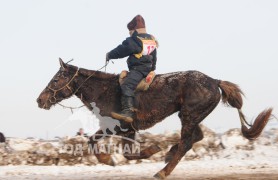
(191, 93)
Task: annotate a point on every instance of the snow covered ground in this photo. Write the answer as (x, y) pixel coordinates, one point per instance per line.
(206, 169)
(225, 156)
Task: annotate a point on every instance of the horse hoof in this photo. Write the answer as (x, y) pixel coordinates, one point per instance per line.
(168, 157)
(160, 175)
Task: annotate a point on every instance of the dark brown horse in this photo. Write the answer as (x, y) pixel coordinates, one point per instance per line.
(191, 93)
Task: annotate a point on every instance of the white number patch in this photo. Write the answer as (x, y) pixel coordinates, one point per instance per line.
(148, 46)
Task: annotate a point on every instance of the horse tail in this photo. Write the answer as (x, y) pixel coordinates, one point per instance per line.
(232, 95)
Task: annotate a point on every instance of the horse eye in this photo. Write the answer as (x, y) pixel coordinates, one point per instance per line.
(55, 82)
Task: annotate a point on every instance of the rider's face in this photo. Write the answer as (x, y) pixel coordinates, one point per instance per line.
(131, 32)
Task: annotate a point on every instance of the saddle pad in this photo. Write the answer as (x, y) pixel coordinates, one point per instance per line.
(143, 85)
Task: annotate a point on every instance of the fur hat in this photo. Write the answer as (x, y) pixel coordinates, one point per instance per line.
(137, 22)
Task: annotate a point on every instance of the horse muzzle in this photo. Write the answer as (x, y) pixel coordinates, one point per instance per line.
(43, 100)
(42, 104)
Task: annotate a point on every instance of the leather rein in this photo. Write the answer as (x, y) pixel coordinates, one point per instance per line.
(53, 97)
(65, 86)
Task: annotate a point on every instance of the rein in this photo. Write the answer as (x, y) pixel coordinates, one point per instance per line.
(68, 87)
(65, 86)
(73, 93)
(90, 77)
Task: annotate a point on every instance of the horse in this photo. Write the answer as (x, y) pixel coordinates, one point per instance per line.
(192, 94)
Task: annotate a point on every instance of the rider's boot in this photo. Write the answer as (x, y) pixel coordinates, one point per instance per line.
(127, 110)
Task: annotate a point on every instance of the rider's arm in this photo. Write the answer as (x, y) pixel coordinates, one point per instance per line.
(127, 48)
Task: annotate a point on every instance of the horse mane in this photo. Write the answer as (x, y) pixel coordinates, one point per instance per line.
(98, 74)
(88, 72)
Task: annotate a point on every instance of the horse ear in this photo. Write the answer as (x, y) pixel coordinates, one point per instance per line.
(63, 65)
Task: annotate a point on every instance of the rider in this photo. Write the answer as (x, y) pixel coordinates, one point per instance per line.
(141, 49)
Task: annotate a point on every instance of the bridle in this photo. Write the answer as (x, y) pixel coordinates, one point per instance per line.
(68, 87)
(53, 97)
(65, 86)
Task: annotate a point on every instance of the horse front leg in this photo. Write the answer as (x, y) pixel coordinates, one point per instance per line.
(102, 157)
(128, 143)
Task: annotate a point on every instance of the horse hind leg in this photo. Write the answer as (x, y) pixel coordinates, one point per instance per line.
(127, 143)
(184, 145)
(197, 136)
(191, 115)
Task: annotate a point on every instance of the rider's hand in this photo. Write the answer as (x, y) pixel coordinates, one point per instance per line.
(107, 57)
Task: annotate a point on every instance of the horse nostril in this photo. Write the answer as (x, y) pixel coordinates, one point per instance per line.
(39, 100)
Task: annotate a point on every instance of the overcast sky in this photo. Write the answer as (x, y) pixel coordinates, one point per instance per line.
(229, 40)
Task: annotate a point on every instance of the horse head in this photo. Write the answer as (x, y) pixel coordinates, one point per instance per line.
(60, 86)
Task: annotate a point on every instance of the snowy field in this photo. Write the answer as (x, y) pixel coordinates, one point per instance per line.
(205, 169)
(225, 156)
(261, 164)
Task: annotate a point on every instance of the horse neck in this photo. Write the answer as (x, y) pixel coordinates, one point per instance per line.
(98, 87)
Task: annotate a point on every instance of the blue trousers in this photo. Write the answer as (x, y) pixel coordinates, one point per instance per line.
(131, 81)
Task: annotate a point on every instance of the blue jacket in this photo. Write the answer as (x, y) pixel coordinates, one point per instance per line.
(139, 58)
